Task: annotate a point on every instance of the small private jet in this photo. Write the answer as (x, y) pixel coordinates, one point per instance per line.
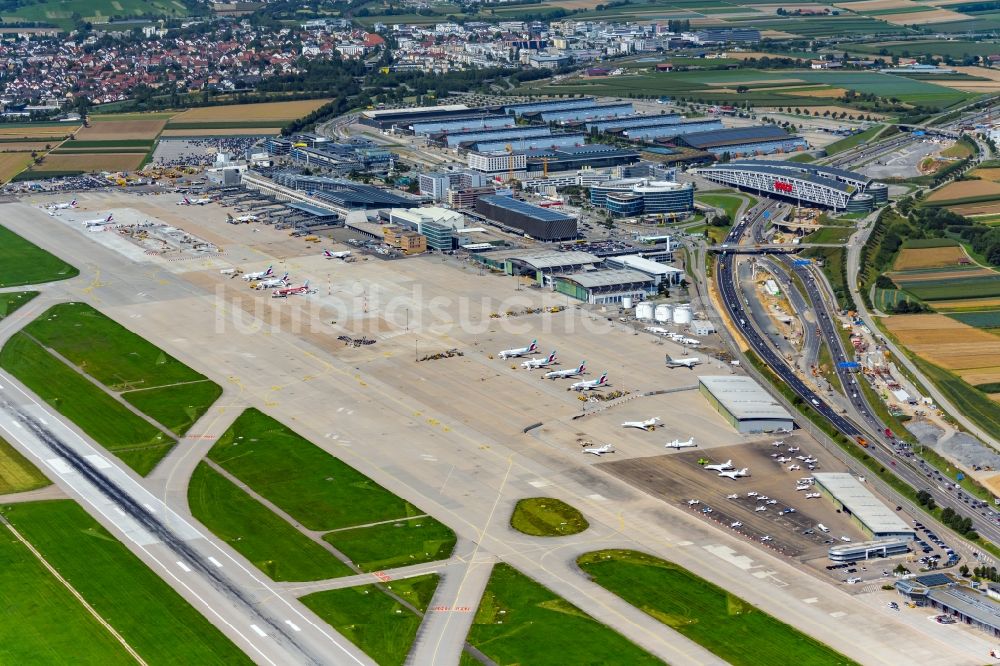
(543, 362)
(259, 275)
(600, 450)
(761, 508)
(678, 444)
(794, 468)
(682, 362)
(812, 495)
(781, 460)
(721, 467)
(778, 443)
(568, 372)
(648, 424)
(736, 525)
(291, 291)
(733, 496)
(520, 351)
(765, 538)
(590, 384)
(735, 473)
(793, 449)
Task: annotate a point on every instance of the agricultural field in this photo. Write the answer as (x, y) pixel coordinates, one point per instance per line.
(65, 13)
(522, 622)
(374, 621)
(971, 353)
(24, 263)
(395, 544)
(989, 173)
(88, 162)
(12, 164)
(121, 130)
(152, 618)
(17, 474)
(885, 300)
(148, 378)
(955, 49)
(964, 191)
(949, 285)
(989, 319)
(547, 516)
(36, 131)
(703, 612)
(228, 131)
(911, 258)
(236, 116)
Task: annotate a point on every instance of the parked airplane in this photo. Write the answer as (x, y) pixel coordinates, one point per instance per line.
(733, 496)
(259, 275)
(273, 283)
(194, 202)
(62, 206)
(793, 449)
(682, 362)
(778, 443)
(291, 291)
(736, 524)
(600, 450)
(678, 444)
(242, 219)
(736, 473)
(752, 493)
(648, 424)
(771, 501)
(761, 508)
(99, 222)
(522, 351)
(344, 254)
(812, 495)
(794, 468)
(721, 467)
(765, 538)
(564, 374)
(782, 460)
(590, 384)
(802, 487)
(533, 363)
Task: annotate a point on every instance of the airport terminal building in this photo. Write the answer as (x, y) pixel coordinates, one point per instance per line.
(747, 406)
(869, 513)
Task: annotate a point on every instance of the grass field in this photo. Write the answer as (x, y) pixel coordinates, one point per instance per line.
(262, 114)
(318, 490)
(829, 235)
(11, 301)
(522, 622)
(157, 622)
(886, 299)
(378, 624)
(983, 319)
(951, 288)
(173, 394)
(24, 263)
(931, 257)
(63, 13)
(955, 49)
(707, 614)
(396, 544)
(137, 443)
(17, 474)
(547, 516)
(729, 203)
(44, 622)
(853, 140)
(274, 546)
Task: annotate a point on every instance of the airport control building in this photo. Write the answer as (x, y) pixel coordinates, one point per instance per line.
(869, 513)
(747, 406)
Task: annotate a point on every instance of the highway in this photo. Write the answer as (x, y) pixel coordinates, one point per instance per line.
(881, 451)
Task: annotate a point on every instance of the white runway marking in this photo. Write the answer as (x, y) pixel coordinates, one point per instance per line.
(59, 465)
(184, 567)
(257, 630)
(837, 614)
(120, 512)
(215, 562)
(596, 497)
(149, 508)
(810, 600)
(98, 462)
(685, 543)
(538, 483)
(291, 624)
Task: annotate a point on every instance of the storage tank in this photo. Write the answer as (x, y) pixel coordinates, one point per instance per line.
(662, 313)
(682, 315)
(627, 302)
(644, 311)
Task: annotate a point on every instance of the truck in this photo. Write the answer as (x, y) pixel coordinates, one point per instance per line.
(862, 442)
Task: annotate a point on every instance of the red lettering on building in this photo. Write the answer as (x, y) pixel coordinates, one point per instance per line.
(782, 187)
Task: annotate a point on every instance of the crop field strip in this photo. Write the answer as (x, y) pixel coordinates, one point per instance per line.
(314, 494)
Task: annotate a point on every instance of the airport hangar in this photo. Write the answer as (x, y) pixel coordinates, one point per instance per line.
(872, 516)
(803, 183)
(939, 591)
(747, 406)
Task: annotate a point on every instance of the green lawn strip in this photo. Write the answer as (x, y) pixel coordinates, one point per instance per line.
(266, 539)
(729, 203)
(318, 490)
(829, 235)
(44, 623)
(522, 622)
(825, 366)
(547, 516)
(106, 350)
(108, 422)
(17, 474)
(177, 407)
(23, 263)
(10, 302)
(156, 621)
(719, 621)
(378, 624)
(395, 544)
(853, 140)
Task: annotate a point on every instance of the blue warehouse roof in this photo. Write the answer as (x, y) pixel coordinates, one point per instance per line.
(734, 136)
(525, 208)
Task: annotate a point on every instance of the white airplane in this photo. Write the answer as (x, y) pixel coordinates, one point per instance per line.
(733, 496)
(682, 362)
(721, 467)
(800, 457)
(752, 493)
(802, 488)
(810, 461)
(736, 524)
(336, 255)
(259, 275)
(693, 502)
(778, 443)
(793, 468)
(690, 342)
(648, 424)
(250, 217)
(793, 449)
(273, 283)
(771, 501)
(533, 363)
(678, 444)
(194, 202)
(63, 205)
(812, 495)
(590, 384)
(522, 351)
(761, 498)
(600, 450)
(99, 222)
(765, 538)
(782, 460)
(761, 508)
(568, 372)
(736, 473)
(291, 291)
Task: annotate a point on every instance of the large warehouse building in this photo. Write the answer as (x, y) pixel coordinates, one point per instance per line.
(803, 183)
(539, 223)
(747, 406)
(849, 495)
(743, 141)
